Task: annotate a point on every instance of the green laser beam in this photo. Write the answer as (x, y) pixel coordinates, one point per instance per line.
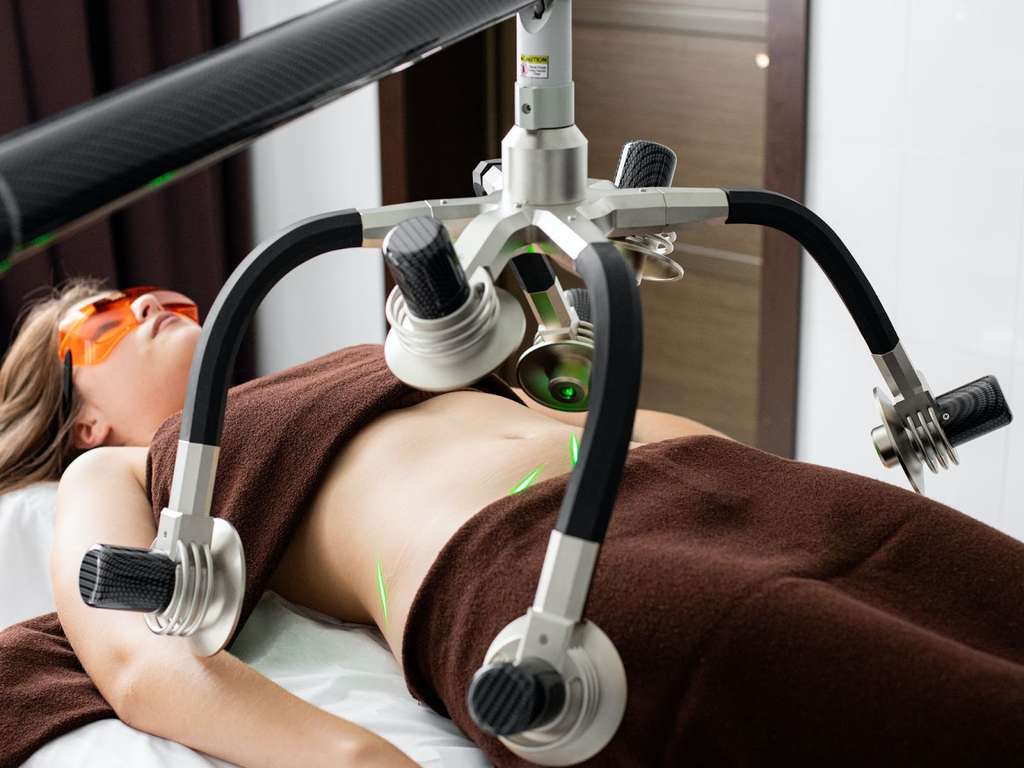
(574, 449)
(38, 242)
(382, 590)
(162, 179)
(527, 481)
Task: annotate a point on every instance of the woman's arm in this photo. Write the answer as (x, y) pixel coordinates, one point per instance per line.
(648, 426)
(217, 704)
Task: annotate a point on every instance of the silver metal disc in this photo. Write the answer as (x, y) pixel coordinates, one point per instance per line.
(897, 434)
(442, 374)
(537, 363)
(660, 269)
(228, 591)
(596, 682)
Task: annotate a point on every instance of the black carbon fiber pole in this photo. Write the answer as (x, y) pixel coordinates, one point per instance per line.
(92, 159)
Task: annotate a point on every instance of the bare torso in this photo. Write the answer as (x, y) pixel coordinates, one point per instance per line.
(399, 491)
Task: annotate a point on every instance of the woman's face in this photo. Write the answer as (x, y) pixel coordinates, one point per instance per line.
(125, 397)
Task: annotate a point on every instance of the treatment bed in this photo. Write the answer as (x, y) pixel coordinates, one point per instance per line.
(346, 669)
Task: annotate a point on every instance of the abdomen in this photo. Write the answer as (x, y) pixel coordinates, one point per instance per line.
(401, 488)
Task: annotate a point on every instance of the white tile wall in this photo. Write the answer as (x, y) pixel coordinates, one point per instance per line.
(916, 158)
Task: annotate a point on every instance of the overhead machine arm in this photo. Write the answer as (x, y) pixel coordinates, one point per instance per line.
(552, 685)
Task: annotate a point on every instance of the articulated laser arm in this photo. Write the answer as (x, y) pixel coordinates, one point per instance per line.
(552, 686)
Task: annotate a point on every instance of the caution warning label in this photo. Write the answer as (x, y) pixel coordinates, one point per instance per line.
(533, 66)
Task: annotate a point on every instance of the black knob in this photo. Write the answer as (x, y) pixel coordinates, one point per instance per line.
(579, 298)
(505, 698)
(645, 164)
(973, 410)
(420, 255)
(126, 578)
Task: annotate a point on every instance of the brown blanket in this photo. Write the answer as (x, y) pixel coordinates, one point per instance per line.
(280, 435)
(768, 612)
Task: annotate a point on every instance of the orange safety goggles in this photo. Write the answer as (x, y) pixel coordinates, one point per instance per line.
(90, 332)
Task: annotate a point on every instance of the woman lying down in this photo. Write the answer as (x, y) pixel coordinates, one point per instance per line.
(766, 610)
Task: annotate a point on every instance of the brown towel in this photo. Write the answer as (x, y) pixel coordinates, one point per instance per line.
(768, 612)
(281, 433)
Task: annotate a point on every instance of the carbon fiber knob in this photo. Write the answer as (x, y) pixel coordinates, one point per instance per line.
(421, 258)
(580, 299)
(505, 698)
(126, 578)
(645, 164)
(973, 410)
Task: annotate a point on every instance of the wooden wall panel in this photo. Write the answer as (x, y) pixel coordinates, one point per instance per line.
(785, 134)
(702, 95)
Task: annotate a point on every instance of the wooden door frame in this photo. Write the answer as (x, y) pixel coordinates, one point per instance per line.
(785, 157)
(781, 256)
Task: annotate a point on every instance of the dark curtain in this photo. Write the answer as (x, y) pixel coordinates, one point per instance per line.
(188, 236)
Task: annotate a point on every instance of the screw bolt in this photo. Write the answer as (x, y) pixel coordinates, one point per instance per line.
(527, 109)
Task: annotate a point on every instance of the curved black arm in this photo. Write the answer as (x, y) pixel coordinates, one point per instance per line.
(95, 157)
(614, 391)
(233, 310)
(770, 209)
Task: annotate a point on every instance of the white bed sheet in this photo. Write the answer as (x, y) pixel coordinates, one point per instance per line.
(26, 535)
(346, 669)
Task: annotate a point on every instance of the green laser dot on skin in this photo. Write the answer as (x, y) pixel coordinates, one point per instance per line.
(574, 449)
(526, 482)
(382, 590)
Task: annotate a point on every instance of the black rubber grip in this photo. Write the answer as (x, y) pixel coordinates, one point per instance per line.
(533, 272)
(505, 699)
(235, 305)
(422, 260)
(645, 164)
(770, 209)
(66, 167)
(589, 497)
(126, 578)
(973, 410)
(580, 299)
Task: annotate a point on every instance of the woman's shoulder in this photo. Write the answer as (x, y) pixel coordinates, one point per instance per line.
(105, 461)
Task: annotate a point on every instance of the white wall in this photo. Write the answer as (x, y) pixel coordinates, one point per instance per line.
(916, 158)
(328, 160)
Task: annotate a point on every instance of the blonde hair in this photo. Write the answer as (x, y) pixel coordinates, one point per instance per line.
(36, 441)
